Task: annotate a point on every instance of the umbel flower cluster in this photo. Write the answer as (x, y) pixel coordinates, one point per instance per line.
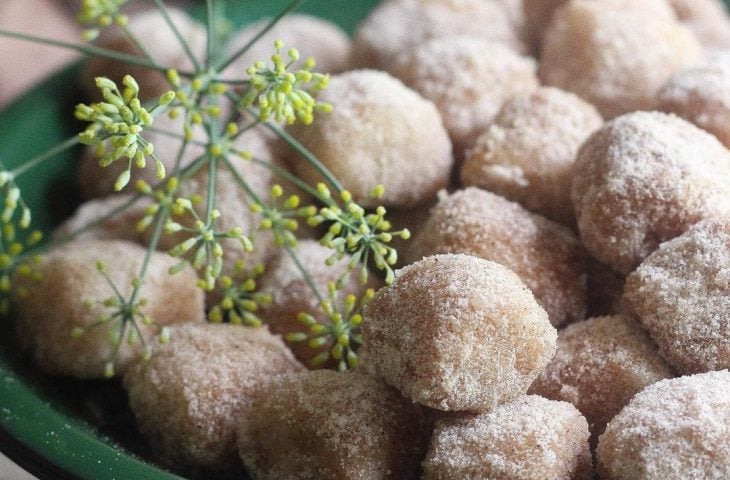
(278, 91)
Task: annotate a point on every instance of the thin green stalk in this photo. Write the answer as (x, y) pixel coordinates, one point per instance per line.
(90, 50)
(288, 176)
(241, 181)
(212, 180)
(305, 274)
(162, 214)
(48, 154)
(307, 155)
(292, 6)
(185, 45)
(209, 44)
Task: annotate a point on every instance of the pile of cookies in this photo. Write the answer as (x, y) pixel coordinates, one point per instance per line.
(563, 309)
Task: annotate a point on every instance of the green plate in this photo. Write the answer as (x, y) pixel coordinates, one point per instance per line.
(60, 428)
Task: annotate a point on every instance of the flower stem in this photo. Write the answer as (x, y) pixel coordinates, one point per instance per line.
(90, 50)
(305, 274)
(166, 15)
(209, 33)
(48, 154)
(307, 155)
(162, 214)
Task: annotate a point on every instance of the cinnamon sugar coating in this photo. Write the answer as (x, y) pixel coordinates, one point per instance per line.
(119, 226)
(468, 79)
(681, 294)
(546, 255)
(379, 133)
(396, 26)
(614, 58)
(675, 428)
(530, 438)
(601, 363)
(188, 398)
(456, 332)
(701, 94)
(527, 153)
(55, 305)
(326, 425)
(644, 178)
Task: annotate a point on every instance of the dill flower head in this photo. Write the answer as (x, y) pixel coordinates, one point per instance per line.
(284, 95)
(98, 14)
(116, 127)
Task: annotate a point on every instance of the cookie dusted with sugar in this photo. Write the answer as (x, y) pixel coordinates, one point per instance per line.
(681, 294)
(642, 179)
(396, 26)
(327, 425)
(530, 438)
(701, 94)
(708, 19)
(674, 429)
(527, 154)
(468, 79)
(456, 332)
(615, 58)
(539, 13)
(71, 283)
(547, 256)
(599, 366)
(188, 398)
(380, 132)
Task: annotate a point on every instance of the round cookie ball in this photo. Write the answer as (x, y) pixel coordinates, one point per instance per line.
(456, 332)
(156, 36)
(675, 428)
(527, 153)
(601, 363)
(681, 294)
(379, 133)
(615, 59)
(188, 398)
(291, 293)
(547, 256)
(644, 178)
(531, 438)
(51, 305)
(330, 426)
(701, 94)
(708, 19)
(539, 13)
(396, 26)
(313, 37)
(468, 79)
